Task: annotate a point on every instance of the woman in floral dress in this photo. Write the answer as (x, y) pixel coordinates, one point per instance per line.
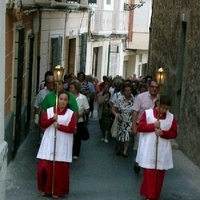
(122, 108)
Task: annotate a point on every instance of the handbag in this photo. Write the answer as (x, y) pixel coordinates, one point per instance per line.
(113, 129)
(85, 135)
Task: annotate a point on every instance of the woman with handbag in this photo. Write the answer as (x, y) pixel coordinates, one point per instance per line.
(74, 88)
(122, 109)
(54, 155)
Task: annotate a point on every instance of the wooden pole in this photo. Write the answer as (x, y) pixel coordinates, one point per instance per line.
(157, 137)
(54, 148)
(157, 141)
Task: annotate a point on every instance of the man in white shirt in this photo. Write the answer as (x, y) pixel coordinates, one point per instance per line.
(41, 95)
(143, 101)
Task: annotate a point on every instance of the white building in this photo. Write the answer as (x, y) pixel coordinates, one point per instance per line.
(108, 27)
(136, 54)
(63, 41)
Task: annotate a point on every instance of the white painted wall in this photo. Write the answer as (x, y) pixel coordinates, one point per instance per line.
(116, 59)
(52, 25)
(140, 39)
(141, 23)
(77, 22)
(103, 58)
(57, 23)
(142, 17)
(106, 6)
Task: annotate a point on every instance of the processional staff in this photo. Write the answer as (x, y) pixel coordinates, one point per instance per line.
(58, 77)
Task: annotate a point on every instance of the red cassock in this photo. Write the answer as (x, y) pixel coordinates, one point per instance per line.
(45, 165)
(153, 179)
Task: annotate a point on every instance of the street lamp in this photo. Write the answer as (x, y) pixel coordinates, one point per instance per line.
(58, 72)
(160, 76)
(160, 80)
(129, 7)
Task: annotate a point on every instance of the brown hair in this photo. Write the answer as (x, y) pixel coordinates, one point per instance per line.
(76, 84)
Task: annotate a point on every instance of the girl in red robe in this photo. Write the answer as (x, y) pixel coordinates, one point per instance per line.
(53, 166)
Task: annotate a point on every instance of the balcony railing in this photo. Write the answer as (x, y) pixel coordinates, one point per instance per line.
(109, 22)
(84, 2)
(120, 22)
(79, 1)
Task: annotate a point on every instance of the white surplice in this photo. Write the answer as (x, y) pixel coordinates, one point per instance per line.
(64, 141)
(147, 145)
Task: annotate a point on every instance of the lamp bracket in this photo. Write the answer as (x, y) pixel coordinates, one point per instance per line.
(129, 7)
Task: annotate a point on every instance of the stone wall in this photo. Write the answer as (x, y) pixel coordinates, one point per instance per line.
(175, 45)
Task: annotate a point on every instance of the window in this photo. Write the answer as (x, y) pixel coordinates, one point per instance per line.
(56, 51)
(92, 1)
(108, 2)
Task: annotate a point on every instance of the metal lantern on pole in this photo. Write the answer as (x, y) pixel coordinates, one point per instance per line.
(58, 73)
(160, 79)
(160, 76)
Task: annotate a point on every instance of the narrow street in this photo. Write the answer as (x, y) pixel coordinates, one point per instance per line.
(99, 173)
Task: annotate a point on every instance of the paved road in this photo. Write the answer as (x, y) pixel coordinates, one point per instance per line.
(99, 174)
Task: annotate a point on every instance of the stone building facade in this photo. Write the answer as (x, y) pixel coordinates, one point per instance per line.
(175, 45)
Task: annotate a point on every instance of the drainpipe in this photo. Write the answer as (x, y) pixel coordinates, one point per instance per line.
(66, 59)
(108, 65)
(91, 12)
(38, 74)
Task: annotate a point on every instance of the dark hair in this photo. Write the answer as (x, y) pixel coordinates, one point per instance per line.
(105, 78)
(152, 81)
(81, 73)
(126, 84)
(165, 100)
(148, 77)
(48, 73)
(64, 92)
(143, 85)
(66, 76)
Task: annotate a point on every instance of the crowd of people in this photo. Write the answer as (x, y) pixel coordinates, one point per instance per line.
(141, 114)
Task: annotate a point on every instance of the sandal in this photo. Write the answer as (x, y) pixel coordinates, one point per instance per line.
(55, 196)
(43, 194)
(125, 155)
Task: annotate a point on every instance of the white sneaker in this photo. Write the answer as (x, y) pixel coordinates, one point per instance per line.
(102, 139)
(106, 141)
